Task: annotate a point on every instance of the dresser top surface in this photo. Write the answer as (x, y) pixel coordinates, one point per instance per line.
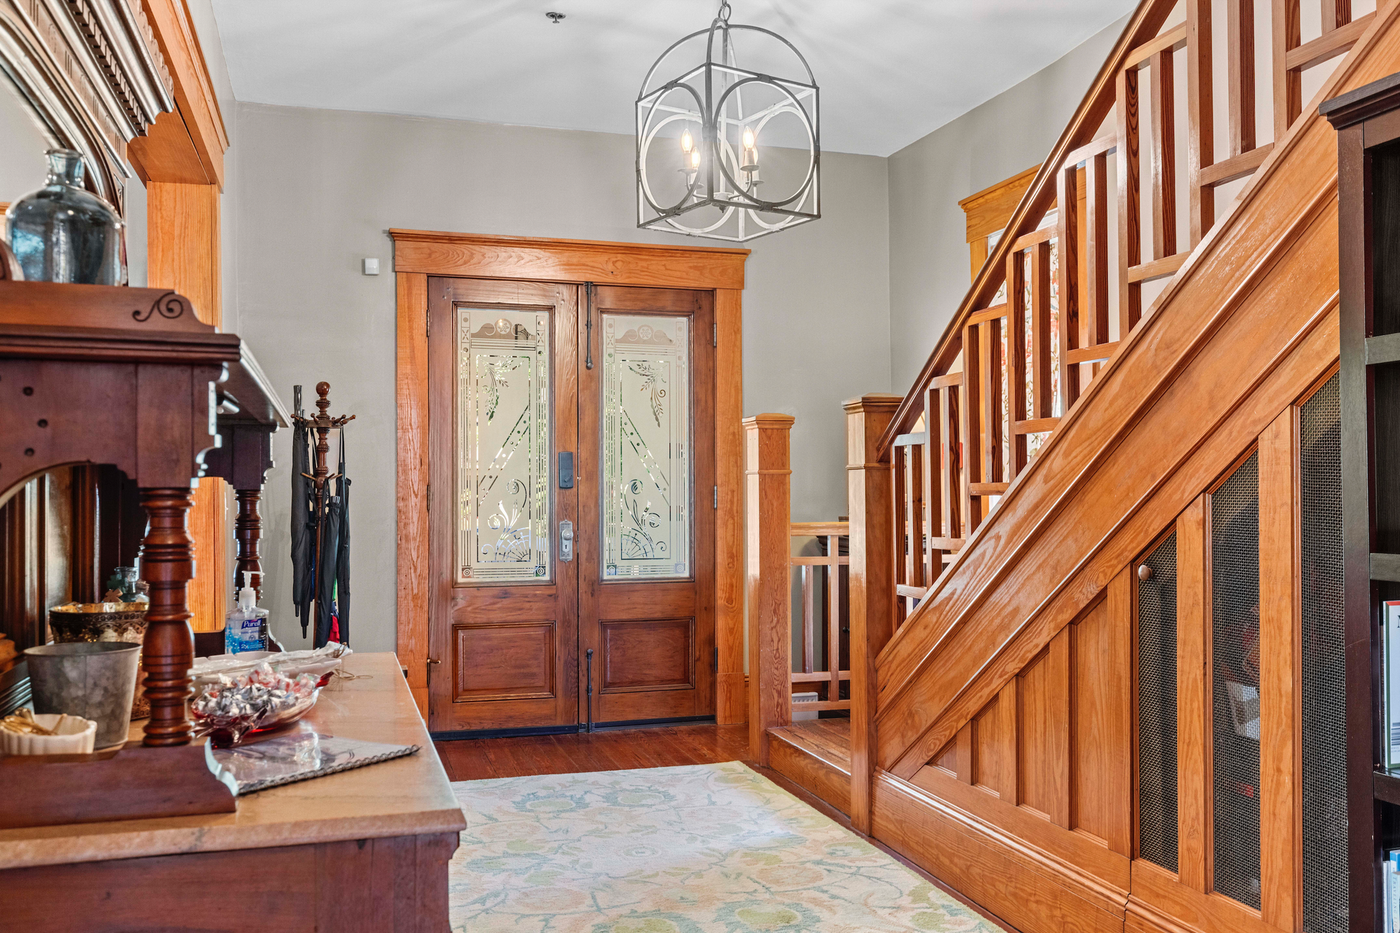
(403, 797)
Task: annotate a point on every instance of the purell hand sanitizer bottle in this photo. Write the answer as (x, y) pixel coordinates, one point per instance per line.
(245, 626)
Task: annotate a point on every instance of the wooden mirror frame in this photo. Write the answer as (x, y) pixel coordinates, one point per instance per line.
(94, 76)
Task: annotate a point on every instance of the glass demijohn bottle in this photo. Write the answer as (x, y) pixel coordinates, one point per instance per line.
(65, 233)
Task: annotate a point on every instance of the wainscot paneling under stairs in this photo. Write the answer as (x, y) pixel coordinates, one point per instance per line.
(1087, 623)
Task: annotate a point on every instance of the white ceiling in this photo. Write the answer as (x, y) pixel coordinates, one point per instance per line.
(890, 71)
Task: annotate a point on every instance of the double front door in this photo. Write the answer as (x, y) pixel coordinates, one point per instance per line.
(570, 504)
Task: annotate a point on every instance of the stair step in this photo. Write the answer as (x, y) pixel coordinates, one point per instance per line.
(816, 755)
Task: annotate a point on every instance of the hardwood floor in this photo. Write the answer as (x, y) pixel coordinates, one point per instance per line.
(610, 750)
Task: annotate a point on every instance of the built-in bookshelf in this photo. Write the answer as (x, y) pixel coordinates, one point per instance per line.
(1368, 151)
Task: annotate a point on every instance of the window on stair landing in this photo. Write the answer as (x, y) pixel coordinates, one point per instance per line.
(1323, 701)
(1234, 666)
(1156, 706)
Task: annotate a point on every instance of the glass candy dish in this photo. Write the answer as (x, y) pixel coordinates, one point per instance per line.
(233, 707)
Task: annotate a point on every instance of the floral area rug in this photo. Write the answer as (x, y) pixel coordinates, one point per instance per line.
(698, 849)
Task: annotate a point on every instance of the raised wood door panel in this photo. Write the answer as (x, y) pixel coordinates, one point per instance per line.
(1047, 760)
(993, 731)
(1101, 718)
(646, 541)
(503, 623)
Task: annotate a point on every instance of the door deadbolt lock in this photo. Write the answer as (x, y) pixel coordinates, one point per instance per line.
(566, 469)
(566, 541)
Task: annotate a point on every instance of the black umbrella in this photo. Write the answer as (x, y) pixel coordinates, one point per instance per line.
(342, 576)
(330, 560)
(303, 536)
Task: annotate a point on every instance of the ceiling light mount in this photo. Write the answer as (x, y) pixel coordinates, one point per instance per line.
(555, 18)
(699, 136)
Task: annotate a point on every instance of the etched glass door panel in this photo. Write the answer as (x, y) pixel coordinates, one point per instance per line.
(646, 528)
(504, 489)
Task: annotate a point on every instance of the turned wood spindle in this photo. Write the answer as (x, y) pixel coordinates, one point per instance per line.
(248, 538)
(323, 424)
(168, 650)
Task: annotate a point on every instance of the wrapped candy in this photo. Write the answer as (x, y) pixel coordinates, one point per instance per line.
(232, 707)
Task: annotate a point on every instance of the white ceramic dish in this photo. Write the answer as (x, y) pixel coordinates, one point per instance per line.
(76, 737)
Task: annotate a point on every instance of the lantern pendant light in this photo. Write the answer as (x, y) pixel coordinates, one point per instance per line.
(728, 149)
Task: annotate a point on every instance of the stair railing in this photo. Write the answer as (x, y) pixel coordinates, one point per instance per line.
(1056, 298)
(821, 623)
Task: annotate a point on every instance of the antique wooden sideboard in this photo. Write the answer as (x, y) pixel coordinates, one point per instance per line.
(131, 378)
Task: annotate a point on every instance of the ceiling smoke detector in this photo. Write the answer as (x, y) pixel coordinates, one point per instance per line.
(555, 18)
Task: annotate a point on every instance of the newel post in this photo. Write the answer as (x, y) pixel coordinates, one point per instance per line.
(870, 499)
(767, 577)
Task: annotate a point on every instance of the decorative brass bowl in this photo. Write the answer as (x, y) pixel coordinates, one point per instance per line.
(98, 622)
(103, 622)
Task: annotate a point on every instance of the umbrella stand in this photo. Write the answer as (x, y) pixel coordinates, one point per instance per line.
(321, 423)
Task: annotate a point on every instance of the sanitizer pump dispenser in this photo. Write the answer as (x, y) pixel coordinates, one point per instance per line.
(246, 626)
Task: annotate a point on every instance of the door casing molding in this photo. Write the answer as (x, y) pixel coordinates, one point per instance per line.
(419, 254)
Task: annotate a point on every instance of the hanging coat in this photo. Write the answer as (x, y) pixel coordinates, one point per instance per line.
(303, 527)
(342, 575)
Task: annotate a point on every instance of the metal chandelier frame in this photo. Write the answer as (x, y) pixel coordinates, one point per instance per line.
(719, 110)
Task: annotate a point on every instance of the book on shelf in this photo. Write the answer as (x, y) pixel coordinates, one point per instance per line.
(1390, 676)
(1390, 884)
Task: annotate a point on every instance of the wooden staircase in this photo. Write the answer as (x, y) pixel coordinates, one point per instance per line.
(1084, 407)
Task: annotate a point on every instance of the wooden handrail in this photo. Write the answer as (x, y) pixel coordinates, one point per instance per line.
(1048, 309)
(820, 529)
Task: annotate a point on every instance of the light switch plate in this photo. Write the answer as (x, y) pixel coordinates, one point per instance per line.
(371, 267)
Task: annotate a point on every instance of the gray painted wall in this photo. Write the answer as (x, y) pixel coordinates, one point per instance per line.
(315, 192)
(929, 270)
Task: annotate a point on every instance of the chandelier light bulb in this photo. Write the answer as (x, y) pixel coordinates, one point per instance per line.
(695, 158)
(748, 138)
(687, 141)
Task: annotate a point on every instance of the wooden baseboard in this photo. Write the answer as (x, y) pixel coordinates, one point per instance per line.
(1034, 893)
(1144, 918)
(731, 698)
(804, 766)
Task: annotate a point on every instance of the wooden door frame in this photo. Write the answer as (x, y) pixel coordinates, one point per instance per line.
(419, 254)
